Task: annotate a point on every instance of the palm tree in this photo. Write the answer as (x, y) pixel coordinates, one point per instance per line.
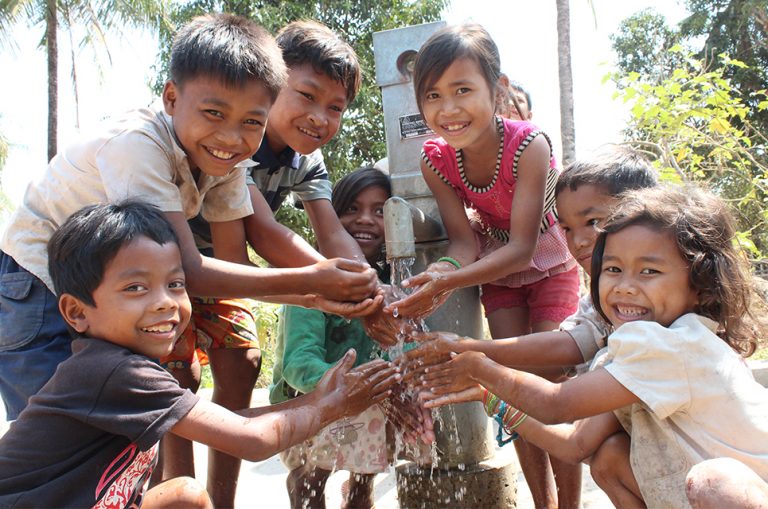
(567, 130)
(96, 16)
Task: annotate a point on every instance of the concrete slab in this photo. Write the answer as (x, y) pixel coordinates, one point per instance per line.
(264, 482)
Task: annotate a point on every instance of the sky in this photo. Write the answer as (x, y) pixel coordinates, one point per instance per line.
(524, 31)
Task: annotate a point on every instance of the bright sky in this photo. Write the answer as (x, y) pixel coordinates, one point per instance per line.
(524, 31)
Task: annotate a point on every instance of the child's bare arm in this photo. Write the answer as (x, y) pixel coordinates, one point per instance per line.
(551, 348)
(435, 284)
(256, 434)
(551, 403)
(229, 241)
(572, 443)
(274, 242)
(338, 279)
(332, 239)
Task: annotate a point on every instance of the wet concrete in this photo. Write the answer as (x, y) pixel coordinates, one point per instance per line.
(262, 484)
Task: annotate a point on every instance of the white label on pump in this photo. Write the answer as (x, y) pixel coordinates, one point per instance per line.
(413, 126)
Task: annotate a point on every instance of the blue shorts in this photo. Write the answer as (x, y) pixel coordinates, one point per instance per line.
(34, 337)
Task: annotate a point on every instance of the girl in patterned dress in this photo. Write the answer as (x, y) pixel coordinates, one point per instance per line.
(494, 182)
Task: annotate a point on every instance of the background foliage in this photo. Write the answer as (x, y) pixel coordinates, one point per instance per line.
(698, 101)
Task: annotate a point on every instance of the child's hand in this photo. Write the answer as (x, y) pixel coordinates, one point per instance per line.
(408, 415)
(435, 348)
(431, 291)
(455, 375)
(342, 280)
(352, 390)
(431, 400)
(348, 310)
(382, 327)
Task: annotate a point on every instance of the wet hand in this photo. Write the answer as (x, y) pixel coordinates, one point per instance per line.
(474, 393)
(406, 412)
(431, 291)
(343, 280)
(382, 328)
(352, 390)
(348, 310)
(435, 348)
(454, 375)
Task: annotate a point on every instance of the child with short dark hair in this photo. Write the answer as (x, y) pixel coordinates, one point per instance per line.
(323, 79)
(118, 272)
(586, 192)
(517, 103)
(186, 156)
(673, 386)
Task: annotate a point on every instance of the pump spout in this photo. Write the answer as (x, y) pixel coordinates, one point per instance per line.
(405, 224)
(398, 229)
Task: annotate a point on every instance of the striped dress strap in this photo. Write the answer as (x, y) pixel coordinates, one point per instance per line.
(431, 166)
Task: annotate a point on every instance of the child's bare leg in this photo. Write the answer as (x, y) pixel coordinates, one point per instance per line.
(306, 487)
(611, 470)
(567, 475)
(360, 494)
(725, 482)
(178, 493)
(178, 458)
(568, 483)
(235, 372)
(538, 474)
(534, 462)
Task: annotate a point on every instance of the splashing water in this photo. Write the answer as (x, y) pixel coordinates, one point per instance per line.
(401, 270)
(444, 420)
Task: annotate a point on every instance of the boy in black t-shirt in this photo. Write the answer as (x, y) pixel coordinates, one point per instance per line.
(89, 437)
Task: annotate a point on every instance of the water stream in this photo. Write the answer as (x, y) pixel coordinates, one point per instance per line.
(444, 420)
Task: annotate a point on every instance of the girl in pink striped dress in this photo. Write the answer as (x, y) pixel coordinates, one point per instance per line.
(494, 182)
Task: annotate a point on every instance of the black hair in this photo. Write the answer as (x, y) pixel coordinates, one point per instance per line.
(704, 229)
(80, 250)
(449, 44)
(310, 42)
(615, 171)
(230, 48)
(350, 185)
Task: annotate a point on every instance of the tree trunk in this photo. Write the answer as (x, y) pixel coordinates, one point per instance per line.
(567, 130)
(53, 77)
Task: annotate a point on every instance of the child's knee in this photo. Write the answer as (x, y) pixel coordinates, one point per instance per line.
(181, 492)
(725, 482)
(193, 493)
(613, 451)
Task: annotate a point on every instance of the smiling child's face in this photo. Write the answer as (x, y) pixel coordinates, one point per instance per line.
(581, 212)
(141, 303)
(308, 111)
(644, 277)
(218, 126)
(364, 220)
(460, 105)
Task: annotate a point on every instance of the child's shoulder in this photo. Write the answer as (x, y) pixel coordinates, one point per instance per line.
(151, 122)
(689, 333)
(102, 358)
(520, 132)
(109, 366)
(140, 138)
